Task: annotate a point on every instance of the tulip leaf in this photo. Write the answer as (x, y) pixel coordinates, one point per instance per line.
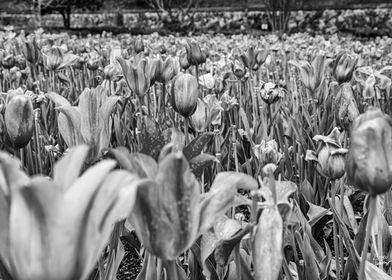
(197, 145)
(374, 273)
(268, 244)
(68, 168)
(221, 196)
(113, 202)
(311, 268)
(69, 125)
(57, 99)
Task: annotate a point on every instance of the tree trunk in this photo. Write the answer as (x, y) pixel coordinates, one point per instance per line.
(67, 16)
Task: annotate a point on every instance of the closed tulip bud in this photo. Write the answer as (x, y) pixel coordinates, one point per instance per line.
(184, 94)
(194, 54)
(270, 93)
(54, 58)
(19, 120)
(139, 45)
(92, 64)
(238, 69)
(184, 63)
(346, 108)
(111, 72)
(137, 77)
(330, 157)
(154, 68)
(344, 67)
(8, 61)
(168, 70)
(267, 152)
(369, 163)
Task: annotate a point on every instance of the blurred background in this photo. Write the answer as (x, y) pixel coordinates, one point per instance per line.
(361, 17)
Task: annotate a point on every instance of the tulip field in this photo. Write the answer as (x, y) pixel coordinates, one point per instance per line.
(205, 157)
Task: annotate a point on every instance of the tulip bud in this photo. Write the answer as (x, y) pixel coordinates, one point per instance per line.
(369, 164)
(31, 51)
(267, 152)
(168, 70)
(238, 69)
(249, 58)
(346, 109)
(184, 94)
(154, 68)
(8, 61)
(330, 157)
(54, 57)
(139, 45)
(19, 120)
(194, 54)
(137, 77)
(270, 93)
(184, 63)
(344, 67)
(111, 72)
(92, 64)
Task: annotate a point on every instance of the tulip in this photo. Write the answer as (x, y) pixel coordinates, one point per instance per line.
(184, 63)
(238, 69)
(249, 59)
(346, 109)
(68, 214)
(344, 67)
(8, 61)
(267, 152)
(369, 164)
(312, 75)
(55, 59)
(19, 120)
(184, 94)
(330, 157)
(208, 111)
(31, 50)
(137, 78)
(139, 45)
(20, 62)
(168, 70)
(261, 56)
(227, 102)
(88, 123)
(111, 72)
(170, 213)
(270, 93)
(154, 68)
(194, 53)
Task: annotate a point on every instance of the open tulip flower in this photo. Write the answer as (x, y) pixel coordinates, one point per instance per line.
(57, 228)
(312, 74)
(136, 76)
(87, 123)
(56, 59)
(170, 213)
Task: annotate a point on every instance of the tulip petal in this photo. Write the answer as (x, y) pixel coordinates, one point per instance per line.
(268, 244)
(113, 202)
(68, 60)
(11, 180)
(57, 99)
(129, 76)
(69, 125)
(221, 196)
(88, 108)
(104, 127)
(33, 216)
(68, 168)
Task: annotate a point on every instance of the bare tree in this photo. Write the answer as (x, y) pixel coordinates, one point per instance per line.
(175, 13)
(279, 12)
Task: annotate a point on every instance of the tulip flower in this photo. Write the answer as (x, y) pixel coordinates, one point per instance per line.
(184, 63)
(19, 120)
(312, 75)
(8, 61)
(369, 163)
(184, 94)
(249, 58)
(137, 77)
(227, 102)
(208, 111)
(270, 93)
(169, 212)
(88, 123)
(168, 70)
(30, 50)
(238, 69)
(267, 152)
(330, 157)
(112, 72)
(194, 53)
(55, 59)
(57, 228)
(139, 45)
(344, 67)
(346, 109)
(154, 68)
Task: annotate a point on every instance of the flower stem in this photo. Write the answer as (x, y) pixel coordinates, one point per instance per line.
(369, 222)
